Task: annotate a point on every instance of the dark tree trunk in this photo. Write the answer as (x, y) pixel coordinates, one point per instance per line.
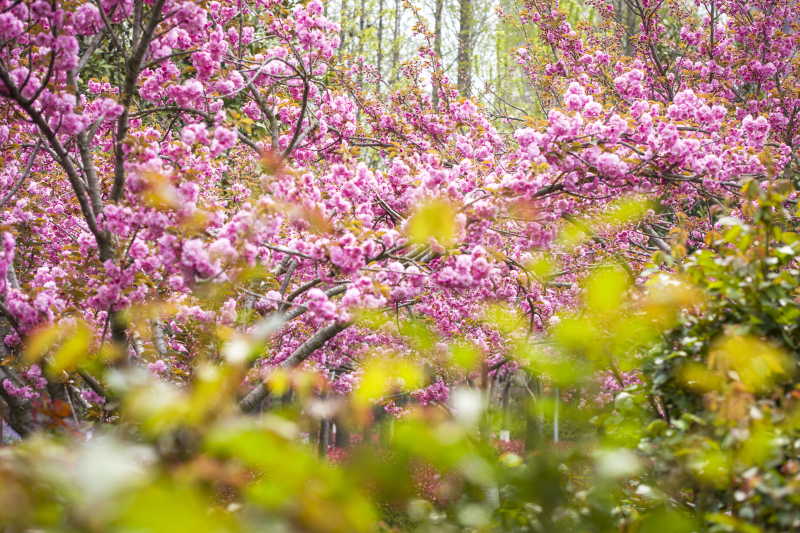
(324, 438)
(286, 399)
(265, 405)
(313, 430)
(342, 434)
(534, 433)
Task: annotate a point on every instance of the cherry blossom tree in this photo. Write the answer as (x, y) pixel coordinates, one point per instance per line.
(205, 210)
(187, 183)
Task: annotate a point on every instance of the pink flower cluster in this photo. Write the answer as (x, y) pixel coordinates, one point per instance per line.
(438, 392)
(26, 392)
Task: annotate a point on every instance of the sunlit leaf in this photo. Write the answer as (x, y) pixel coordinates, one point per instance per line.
(434, 219)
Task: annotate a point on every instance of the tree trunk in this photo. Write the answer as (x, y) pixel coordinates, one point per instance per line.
(465, 48)
(119, 338)
(501, 66)
(632, 27)
(398, 15)
(484, 427)
(556, 400)
(361, 24)
(386, 430)
(342, 434)
(534, 432)
(15, 410)
(57, 390)
(489, 487)
(530, 425)
(437, 47)
(366, 434)
(324, 438)
(286, 399)
(505, 433)
(159, 342)
(343, 30)
(379, 62)
(313, 430)
(265, 405)
(4, 412)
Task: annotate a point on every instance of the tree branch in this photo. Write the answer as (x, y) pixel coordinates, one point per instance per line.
(293, 361)
(658, 241)
(24, 174)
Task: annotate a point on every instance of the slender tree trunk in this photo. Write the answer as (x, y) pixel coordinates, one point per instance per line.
(437, 47)
(286, 399)
(4, 413)
(483, 425)
(465, 48)
(500, 52)
(324, 438)
(379, 63)
(157, 333)
(630, 22)
(530, 424)
(366, 434)
(556, 400)
(342, 434)
(540, 411)
(398, 15)
(534, 432)
(505, 433)
(362, 16)
(386, 430)
(343, 30)
(313, 430)
(489, 487)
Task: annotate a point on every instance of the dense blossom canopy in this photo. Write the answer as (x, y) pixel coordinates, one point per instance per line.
(190, 184)
(223, 151)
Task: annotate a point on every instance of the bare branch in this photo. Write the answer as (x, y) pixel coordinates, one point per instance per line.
(658, 241)
(24, 174)
(296, 359)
